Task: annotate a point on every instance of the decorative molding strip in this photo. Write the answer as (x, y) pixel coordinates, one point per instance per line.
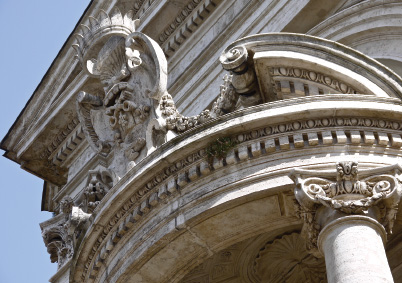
(181, 16)
(185, 23)
(64, 143)
(309, 75)
(138, 5)
(68, 146)
(253, 144)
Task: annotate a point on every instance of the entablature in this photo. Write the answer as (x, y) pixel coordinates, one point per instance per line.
(320, 129)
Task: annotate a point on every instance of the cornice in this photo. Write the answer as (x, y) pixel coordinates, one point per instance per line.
(323, 29)
(42, 102)
(185, 23)
(384, 81)
(154, 180)
(76, 179)
(194, 79)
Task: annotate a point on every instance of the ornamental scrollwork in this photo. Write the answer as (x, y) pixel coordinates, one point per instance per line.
(352, 192)
(132, 69)
(134, 113)
(60, 233)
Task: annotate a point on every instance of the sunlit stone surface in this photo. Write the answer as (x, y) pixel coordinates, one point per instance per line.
(221, 141)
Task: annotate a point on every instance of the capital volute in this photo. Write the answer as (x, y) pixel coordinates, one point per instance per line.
(59, 233)
(325, 196)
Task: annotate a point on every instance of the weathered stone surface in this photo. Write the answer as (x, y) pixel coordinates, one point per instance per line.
(347, 220)
(178, 174)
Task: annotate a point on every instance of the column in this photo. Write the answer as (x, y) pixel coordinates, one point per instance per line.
(347, 216)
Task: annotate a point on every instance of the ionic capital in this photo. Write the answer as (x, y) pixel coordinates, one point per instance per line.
(323, 197)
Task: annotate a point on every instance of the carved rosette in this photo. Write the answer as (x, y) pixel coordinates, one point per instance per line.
(287, 260)
(349, 192)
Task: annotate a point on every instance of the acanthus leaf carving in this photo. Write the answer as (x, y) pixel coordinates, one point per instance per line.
(60, 232)
(349, 194)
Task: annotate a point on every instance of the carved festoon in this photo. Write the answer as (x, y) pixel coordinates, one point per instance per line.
(370, 192)
(135, 113)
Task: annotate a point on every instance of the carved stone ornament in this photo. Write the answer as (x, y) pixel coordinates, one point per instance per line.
(136, 114)
(287, 260)
(132, 69)
(98, 184)
(349, 192)
(237, 61)
(60, 232)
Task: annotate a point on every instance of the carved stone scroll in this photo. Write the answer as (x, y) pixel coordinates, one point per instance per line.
(237, 61)
(375, 192)
(60, 232)
(133, 71)
(141, 114)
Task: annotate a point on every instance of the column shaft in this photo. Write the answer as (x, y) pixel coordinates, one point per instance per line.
(354, 250)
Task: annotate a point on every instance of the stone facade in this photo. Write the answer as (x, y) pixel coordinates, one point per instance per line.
(221, 141)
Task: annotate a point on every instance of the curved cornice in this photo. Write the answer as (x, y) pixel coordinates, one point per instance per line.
(373, 27)
(343, 24)
(282, 130)
(379, 80)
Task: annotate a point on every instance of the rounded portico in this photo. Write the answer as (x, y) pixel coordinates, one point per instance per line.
(216, 201)
(199, 144)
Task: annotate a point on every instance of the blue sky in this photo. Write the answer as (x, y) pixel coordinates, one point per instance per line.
(32, 33)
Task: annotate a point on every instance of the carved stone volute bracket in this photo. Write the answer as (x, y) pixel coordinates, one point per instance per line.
(323, 197)
(240, 64)
(60, 232)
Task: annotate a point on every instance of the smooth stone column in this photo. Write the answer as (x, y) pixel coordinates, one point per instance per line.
(354, 250)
